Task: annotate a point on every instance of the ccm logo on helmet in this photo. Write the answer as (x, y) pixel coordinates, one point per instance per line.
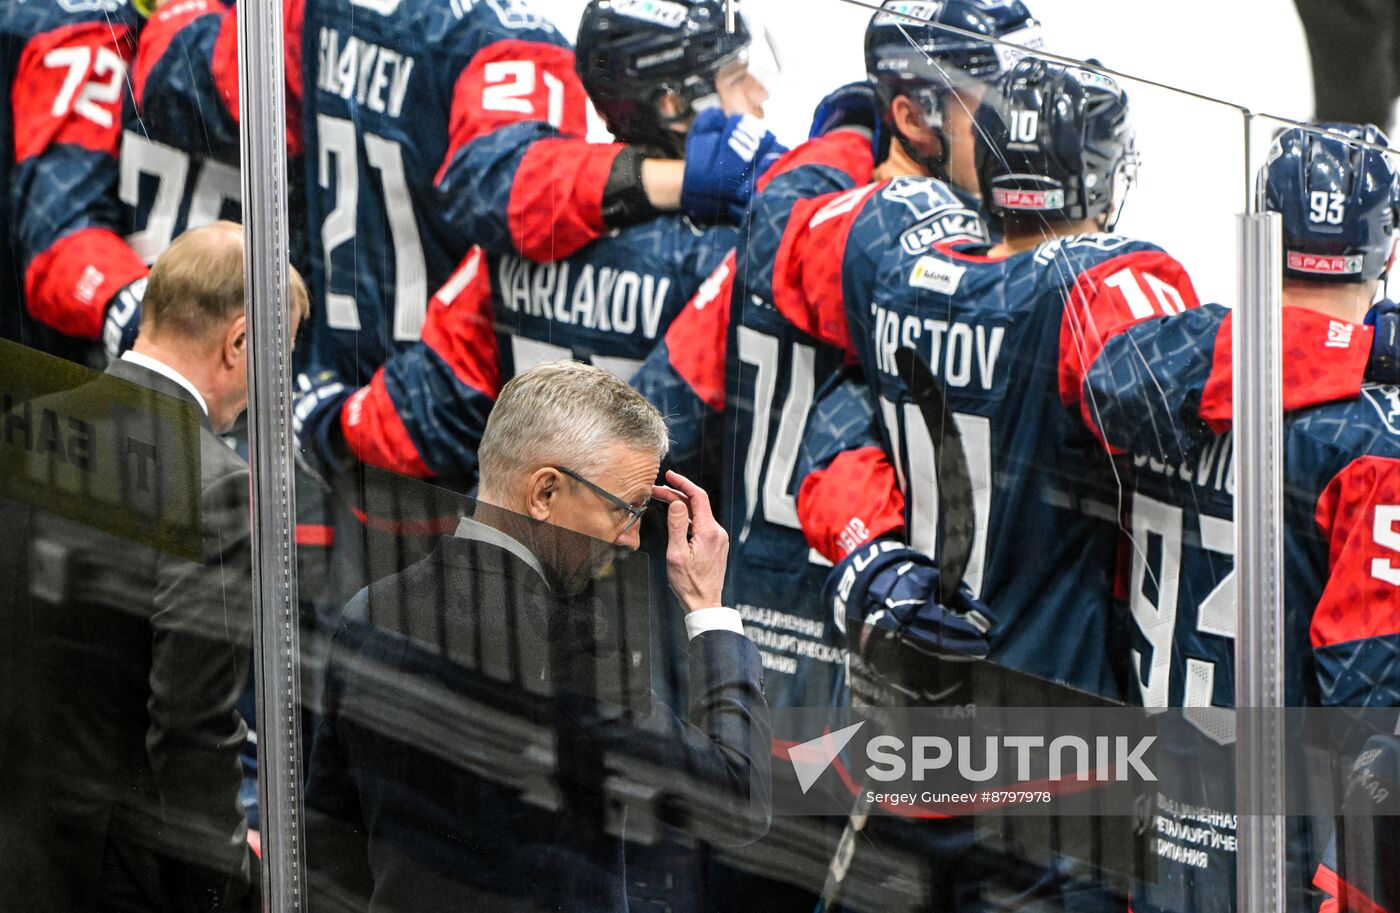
(1323, 265)
(1029, 199)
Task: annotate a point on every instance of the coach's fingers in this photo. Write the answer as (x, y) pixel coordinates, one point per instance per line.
(700, 510)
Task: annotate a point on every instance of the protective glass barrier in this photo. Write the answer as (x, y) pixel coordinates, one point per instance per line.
(896, 391)
(1333, 187)
(896, 397)
(127, 749)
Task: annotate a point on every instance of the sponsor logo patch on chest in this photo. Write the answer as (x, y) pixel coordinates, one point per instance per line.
(936, 275)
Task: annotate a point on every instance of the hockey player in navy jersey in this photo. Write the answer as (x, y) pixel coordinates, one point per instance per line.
(66, 276)
(180, 144)
(1007, 329)
(607, 303)
(1159, 392)
(513, 175)
(733, 369)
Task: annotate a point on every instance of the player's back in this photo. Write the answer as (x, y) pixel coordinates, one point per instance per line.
(1341, 628)
(998, 337)
(1341, 469)
(180, 134)
(60, 77)
(775, 371)
(386, 84)
(610, 303)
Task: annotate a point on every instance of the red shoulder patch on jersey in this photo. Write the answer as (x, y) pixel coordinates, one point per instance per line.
(460, 326)
(1324, 360)
(165, 23)
(68, 88)
(1359, 514)
(843, 149)
(853, 501)
(556, 199)
(1107, 299)
(375, 432)
(69, 285)
(807, 272)
(698, 339)
(512, 81)
(224, 65)
(293, 18)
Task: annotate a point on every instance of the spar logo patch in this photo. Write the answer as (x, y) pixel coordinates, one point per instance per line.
(659, 12)
(1033, 200)
(1324, 265)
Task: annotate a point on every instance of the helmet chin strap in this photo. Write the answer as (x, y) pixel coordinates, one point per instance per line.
(935, 165)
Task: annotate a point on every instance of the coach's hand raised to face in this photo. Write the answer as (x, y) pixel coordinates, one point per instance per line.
(698, 552)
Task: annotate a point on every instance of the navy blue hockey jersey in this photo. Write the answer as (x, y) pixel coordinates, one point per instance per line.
(432, 125)
(1009, 339)
(424, 411)
(63, 75)
(180, 143)
(1159, 391)
(763, 382)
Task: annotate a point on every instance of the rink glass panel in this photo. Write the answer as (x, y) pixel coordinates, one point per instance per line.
(130, 760)
(1191, 185)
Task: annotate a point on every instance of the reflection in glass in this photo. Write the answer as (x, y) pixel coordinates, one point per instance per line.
(488, 736)
(127, 617)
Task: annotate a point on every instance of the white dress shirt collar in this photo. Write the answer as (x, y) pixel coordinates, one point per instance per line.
(166, 371)
(475, 530)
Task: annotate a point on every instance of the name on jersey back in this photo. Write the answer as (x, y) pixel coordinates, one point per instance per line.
(374, 76)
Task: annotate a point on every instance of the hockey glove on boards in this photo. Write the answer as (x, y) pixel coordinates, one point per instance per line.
(316, 406)
(905, 646)
(885, 588)
(123, 320)
(724, 158)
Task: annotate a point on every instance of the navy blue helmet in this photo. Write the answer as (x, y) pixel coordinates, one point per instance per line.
(912, 50)
(1055, 141)
(1338, 200)
(632, 53)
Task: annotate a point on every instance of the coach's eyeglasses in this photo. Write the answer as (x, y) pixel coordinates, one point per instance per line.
(634, 513)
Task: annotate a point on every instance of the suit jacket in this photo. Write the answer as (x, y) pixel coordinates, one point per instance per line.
(119, 780)
(463, 765)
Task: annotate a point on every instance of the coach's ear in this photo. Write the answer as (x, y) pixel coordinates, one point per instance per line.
(542, 492)
(233, 348)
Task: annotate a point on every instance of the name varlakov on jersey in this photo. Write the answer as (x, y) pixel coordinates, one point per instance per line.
(594, 297)
(374, 76)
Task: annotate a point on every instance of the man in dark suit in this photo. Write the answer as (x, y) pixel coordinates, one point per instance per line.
(471, 756)
(127, 622)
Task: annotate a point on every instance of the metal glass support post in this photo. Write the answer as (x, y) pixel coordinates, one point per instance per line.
(262, 133)
(1259, 762)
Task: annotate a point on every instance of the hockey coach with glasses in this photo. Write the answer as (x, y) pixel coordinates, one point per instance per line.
(463, 760)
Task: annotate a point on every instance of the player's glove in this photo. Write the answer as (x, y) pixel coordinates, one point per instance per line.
(885, 588)
(1384, 366)
(724, 158)
(316, 406)
(904, 644)
(854, 105)
(123, 319)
